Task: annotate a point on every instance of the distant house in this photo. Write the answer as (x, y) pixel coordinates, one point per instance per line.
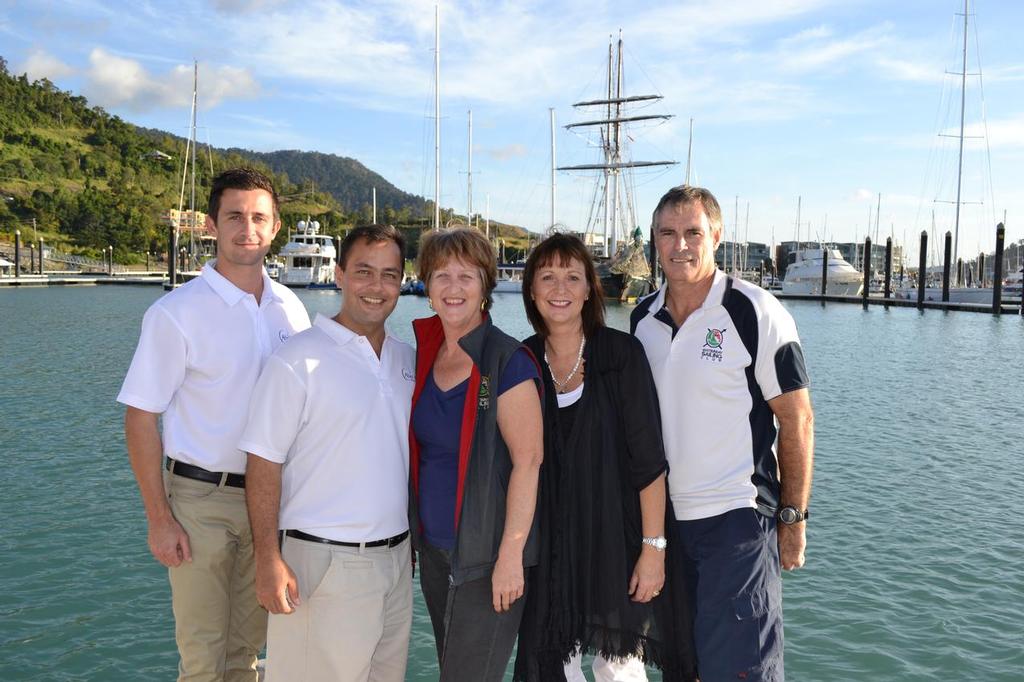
(157, 155)
(5, 267)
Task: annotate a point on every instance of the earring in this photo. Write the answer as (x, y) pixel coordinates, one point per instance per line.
(430, 304)
(483, 305)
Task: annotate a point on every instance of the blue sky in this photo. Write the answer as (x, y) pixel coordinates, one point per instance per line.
(831, 100)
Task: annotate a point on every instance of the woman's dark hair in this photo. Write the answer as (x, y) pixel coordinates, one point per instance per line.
(561, 248)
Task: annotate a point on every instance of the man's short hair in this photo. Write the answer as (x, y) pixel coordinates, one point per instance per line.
(688, 194)
(242, 179)
(371, 234)
(459, 243)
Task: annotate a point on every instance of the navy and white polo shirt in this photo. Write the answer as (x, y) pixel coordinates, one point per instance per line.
(715, 375)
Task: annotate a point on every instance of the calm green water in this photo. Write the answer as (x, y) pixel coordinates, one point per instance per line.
(916, 546)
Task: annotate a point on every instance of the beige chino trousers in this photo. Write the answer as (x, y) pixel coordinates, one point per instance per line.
(219, 626)
(354, 619)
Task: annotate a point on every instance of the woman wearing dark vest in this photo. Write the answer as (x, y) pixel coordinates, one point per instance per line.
(476, 448)
(600, 585)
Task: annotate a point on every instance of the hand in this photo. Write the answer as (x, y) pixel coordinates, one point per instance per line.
(648, 575)
(168, 542)
(792, 541)
(507, 582)
(277, 589)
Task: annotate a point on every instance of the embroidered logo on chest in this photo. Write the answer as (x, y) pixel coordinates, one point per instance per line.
(712, 348)
(484, 395)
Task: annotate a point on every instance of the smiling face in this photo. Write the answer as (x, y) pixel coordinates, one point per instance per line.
(245, 227)
(559, 289)
(456, 291)
(370, 285)
(686, 243)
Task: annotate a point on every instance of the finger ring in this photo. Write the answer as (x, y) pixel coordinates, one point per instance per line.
(657, 592)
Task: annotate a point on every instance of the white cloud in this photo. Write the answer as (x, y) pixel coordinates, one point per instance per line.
(41, 64)
(113, 81)
(509, 151)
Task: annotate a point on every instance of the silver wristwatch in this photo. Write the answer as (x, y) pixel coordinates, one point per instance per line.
(659, 543)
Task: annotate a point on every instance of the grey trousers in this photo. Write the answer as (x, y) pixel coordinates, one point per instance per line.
(473, 641)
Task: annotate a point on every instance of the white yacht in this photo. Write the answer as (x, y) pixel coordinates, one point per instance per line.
(803, 276)
(510, 279)
(309, 257)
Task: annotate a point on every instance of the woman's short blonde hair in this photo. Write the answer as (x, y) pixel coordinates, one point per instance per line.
(463, 244)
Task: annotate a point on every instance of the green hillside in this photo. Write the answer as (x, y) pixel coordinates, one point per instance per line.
(84, 179)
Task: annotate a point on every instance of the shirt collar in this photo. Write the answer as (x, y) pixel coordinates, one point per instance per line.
(341, 334)
(230, 293)
(713, 298)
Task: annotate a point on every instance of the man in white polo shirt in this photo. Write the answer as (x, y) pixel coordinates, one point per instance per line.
(728, 366)
(200, 352)
(328, 443)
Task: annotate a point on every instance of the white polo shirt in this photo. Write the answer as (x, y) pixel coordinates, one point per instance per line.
(200, 352)
(715, 375)
(337, 417)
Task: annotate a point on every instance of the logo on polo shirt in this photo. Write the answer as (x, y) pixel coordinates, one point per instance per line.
(712, 349)
(283, 335)
(408, 374)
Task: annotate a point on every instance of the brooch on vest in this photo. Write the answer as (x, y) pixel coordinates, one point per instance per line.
(484, 396)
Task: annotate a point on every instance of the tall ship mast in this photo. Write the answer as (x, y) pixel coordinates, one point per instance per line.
(613, 209)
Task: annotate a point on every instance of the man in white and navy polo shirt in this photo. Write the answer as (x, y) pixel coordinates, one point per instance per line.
(328, 437)
(730, 376)
(200, 352)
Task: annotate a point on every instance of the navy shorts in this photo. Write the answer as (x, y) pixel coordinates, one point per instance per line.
(735, 581)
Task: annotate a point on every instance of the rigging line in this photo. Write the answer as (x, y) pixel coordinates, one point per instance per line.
(984, 121)
(636, 62)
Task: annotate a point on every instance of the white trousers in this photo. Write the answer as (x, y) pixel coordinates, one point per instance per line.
(354, 619)
(627, 670)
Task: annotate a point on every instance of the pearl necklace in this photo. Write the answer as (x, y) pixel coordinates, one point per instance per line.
(560, 385)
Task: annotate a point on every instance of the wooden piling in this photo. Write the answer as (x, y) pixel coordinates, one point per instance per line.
(172, 256)
(31, 258)
(110, 261)
(867, 272)
(981, 269)
(997, 274)
(824, 273)
(888, 269)
(17, 254)
(947, 255)
(960, 279)
(42, 248)
(922, 266)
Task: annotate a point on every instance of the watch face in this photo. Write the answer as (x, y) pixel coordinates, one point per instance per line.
(789, 515)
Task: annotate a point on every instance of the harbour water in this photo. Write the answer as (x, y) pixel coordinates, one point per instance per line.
(916, 548)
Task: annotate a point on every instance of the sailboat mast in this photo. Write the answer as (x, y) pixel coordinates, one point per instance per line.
(616, 148)
(437, 118)
(960, 160)
(553, 164)
(192, 134)
(689, 154)
(469, 179)
(607, 156)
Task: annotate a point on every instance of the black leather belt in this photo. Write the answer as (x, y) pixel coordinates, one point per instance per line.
(200, 474)
(390, 542)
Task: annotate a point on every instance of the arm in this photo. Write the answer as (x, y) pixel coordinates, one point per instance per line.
(521, 426)
(796, 460)
(168, 541)
(649, 572)
(277, 589)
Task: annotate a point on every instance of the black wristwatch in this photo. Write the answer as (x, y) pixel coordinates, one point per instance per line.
(790, 515)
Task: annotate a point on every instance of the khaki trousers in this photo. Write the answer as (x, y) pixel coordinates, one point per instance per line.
(354, 619)
(219, 626)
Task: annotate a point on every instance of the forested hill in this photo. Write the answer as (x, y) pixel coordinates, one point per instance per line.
(347, 180)
(83, 179)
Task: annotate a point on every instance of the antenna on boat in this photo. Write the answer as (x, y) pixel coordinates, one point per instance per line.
(437, 118)
(469, 175)
(689, 154)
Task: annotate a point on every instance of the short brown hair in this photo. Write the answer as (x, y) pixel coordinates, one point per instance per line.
(371, 234)
(243, 179)
(563, 247)
(460, 243)
(687, 194)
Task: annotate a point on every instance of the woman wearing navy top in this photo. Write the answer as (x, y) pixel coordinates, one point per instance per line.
(475, 448)
(606, 582)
